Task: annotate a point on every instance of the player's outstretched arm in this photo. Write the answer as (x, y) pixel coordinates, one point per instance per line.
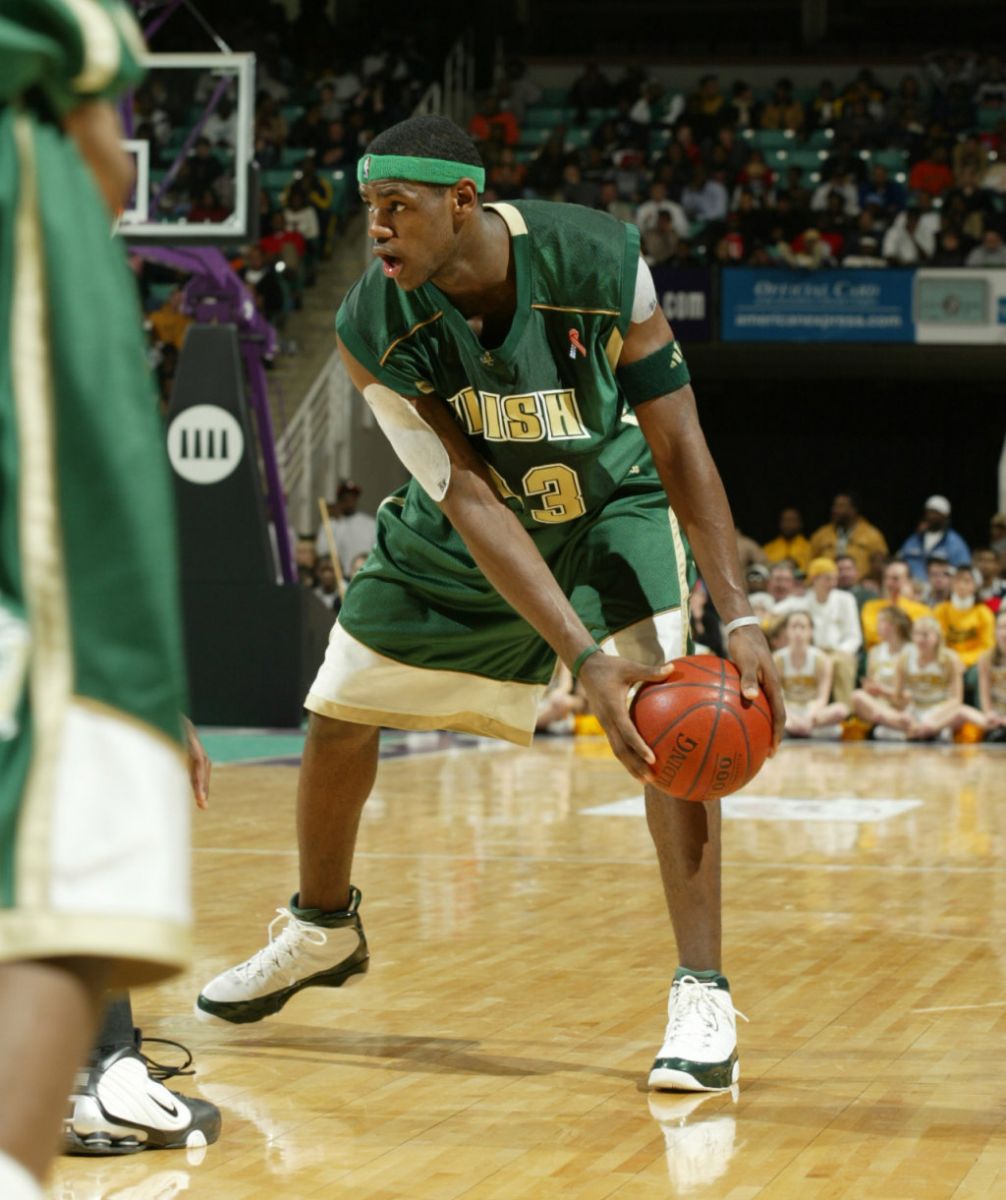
(670, 424)
(97, 130)
(509, 559)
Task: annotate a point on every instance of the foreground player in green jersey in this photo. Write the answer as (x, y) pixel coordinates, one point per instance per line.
(516, 358)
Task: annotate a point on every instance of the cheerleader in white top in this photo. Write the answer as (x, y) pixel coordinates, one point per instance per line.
(992, 684)
(806, 674)
(930, 683)
(875, 701)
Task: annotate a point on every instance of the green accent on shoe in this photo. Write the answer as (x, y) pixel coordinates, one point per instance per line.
(704, 977)
(328, 920)
(709, 1076)
(242, 1012)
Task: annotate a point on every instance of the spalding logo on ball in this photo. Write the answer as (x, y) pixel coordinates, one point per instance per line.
(708, 740)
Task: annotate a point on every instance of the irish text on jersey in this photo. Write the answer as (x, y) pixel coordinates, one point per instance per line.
(552, 416)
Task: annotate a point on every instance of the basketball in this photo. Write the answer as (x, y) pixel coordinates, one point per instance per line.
(708, 740)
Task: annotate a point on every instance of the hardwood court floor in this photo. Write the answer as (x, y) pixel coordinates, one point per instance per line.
(500, 1044)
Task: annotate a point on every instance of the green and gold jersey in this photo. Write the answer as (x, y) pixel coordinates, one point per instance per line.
(543, 409)
(68, 50)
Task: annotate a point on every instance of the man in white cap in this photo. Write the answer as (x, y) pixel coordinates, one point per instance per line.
(934, 536)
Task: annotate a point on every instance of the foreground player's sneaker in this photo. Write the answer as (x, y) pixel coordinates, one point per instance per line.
(313, 949)
(699, 1053)
(117, 1108)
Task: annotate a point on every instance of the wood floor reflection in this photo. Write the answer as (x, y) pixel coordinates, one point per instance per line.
(500, 1044)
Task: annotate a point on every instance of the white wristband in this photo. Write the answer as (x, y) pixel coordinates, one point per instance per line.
(739, 622)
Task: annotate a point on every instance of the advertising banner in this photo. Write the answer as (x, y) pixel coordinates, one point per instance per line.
(685, 295)
(960, 306)
(817, 306)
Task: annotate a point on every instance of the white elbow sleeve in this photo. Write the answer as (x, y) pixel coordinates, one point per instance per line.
(420, 449)
(644, 303)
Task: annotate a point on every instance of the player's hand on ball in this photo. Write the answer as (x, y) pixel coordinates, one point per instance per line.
(607, 680)
(749, 650)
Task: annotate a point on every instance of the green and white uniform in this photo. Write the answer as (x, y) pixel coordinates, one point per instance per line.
(423, 640)
(93, 789)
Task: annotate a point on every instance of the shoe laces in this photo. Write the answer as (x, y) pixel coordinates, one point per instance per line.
(158, 1071)
(692, 1007)
(283, 946)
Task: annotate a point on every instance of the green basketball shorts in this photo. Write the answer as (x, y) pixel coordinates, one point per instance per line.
(423, 641)
(94, 805)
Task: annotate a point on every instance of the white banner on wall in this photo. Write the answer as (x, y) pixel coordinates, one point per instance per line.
(960, 306)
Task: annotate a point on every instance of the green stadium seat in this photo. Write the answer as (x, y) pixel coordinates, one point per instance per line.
(292, 112)
(576, 139)
(989, 118)
(770, 139)
(275, 179)
(893, 160)
(546, 117)
(806, 159)
(596, 115)
(555, 95)
(820, 139)
(531, 139)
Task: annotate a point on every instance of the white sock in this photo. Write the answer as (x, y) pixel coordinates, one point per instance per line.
(17, 1182)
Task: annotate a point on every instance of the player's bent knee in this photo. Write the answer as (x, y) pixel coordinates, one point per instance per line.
(329, 730)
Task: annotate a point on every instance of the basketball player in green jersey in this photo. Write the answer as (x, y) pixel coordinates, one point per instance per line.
(516, 358)
(93, 807)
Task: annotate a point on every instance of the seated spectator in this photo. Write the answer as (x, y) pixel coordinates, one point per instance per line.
(863, 243)
(939, 583)
(170, 323)
(506, 175)
(848, 581)
(561, 703)
(897, 593)
(756, 580)
(949, 251)
(781, 581)
(906, 111)
(337, 149)
(221, 126)
(992, 684)
(489, 114)
(843, 162)
(327, 589)
(310, 131)
(271, 129)
(876, 697)
(354, 531)
(208, 208)
(843, 186)
(932, 174)
(836, 622)
(328, 106)
(546, 170)
(954, 109)
(903, 244)
(783, 111)
(934, 536)
(990, 253)
(806, 677)
(882, 192)
(809, 250)
(790, 542)
(991, 585)
(659, 245)
(300, 217)
(521, 92)
(321, 196)
(930, 687)
(704, 199)
(743, 110)
(658, 202)
(261, 275)
(970, 159)
(826, 107)
(286, 246)
(968, 625)
(610, 201)
(592, 89)
(756, 175)
(646, 110)
(202, 169)
(576, 189)
(848, 533)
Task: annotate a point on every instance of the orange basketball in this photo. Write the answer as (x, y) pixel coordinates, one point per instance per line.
(708, 740)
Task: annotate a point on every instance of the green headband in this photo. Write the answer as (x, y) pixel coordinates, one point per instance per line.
(372, 167)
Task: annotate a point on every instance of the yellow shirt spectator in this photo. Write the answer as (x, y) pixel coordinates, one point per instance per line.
(848, 533)
(969, 632)
(795, 548)
(897, 592)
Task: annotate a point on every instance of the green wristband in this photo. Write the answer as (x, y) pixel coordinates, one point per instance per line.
(582, 657)
(660, 373)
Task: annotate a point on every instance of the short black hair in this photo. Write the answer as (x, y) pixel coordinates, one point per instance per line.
(427, 136)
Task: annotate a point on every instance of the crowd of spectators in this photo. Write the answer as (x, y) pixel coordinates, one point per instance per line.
(909, 644)
(852, 172)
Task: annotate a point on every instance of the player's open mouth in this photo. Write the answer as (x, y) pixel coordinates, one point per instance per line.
(391, 266)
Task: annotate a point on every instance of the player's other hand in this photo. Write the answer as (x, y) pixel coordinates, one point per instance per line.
(199, 765)
(750, 653)
(96, 129)
(607, 681)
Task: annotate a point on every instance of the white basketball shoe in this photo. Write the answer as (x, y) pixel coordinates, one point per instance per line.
(699, 1052)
